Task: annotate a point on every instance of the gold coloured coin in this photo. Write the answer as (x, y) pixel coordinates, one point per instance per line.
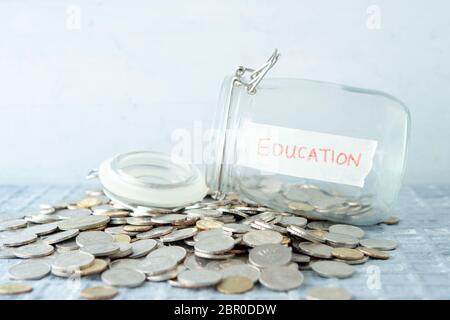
(14, 288)
(116, 214)
(235, 285)
(121, 238)
(99, 293)
(131, 228)
(374, 253)
(90, 202)
(347, 254)
(208, 224)
(391, 221)
(98, 266)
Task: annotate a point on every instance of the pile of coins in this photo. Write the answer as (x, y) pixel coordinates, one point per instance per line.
(228, 244)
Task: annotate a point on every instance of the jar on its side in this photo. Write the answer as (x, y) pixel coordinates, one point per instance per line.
(322, 150)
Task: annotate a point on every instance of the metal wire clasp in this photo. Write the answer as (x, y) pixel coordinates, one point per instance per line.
(257, 75)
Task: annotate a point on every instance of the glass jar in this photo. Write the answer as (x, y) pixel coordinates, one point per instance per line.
(145, 180)
(325, 151)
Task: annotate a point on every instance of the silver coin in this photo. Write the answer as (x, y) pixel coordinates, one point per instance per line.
(101, 249)
(348, 230)
(29, 270)
(193, 262)
(300, 258)
(305, 234)
(123, 277)
(67, 245)
(380, 244)
(61, 236)
(281, 278)
(259, 224)
(13, 224)
(220, 256)
(208, 233)
(42, 229)
(155, 233)
(293, 220)
(156, 265)
(201, 213)
(125, 249)
(236, 228)
(115, 230)
(42, 218)
(7, 253)
(317, 250)
(169, 218)
(93, 237)
(77, 213)
(327, 294)
(341, 240)
(243, 270)
(218, 265)
(140, 221)
(215, 244)
(142, 247)
(178, 235)
(125, 263)
(19, 239)
(72, 260)
(199, 278)
(175, 252)
(83, 223)
(260, 237)
(171, 274)
(34, 250)
(269, 255)
(332, 269)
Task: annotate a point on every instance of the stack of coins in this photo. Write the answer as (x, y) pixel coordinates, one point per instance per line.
(228, 244)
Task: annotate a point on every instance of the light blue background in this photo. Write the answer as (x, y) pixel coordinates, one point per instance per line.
(83, 80)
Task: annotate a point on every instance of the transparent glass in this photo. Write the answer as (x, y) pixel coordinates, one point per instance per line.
(353, 117)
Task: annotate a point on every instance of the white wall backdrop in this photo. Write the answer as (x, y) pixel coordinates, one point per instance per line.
(82, 80)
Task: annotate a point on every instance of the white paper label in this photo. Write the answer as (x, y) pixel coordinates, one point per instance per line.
(306, 154)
